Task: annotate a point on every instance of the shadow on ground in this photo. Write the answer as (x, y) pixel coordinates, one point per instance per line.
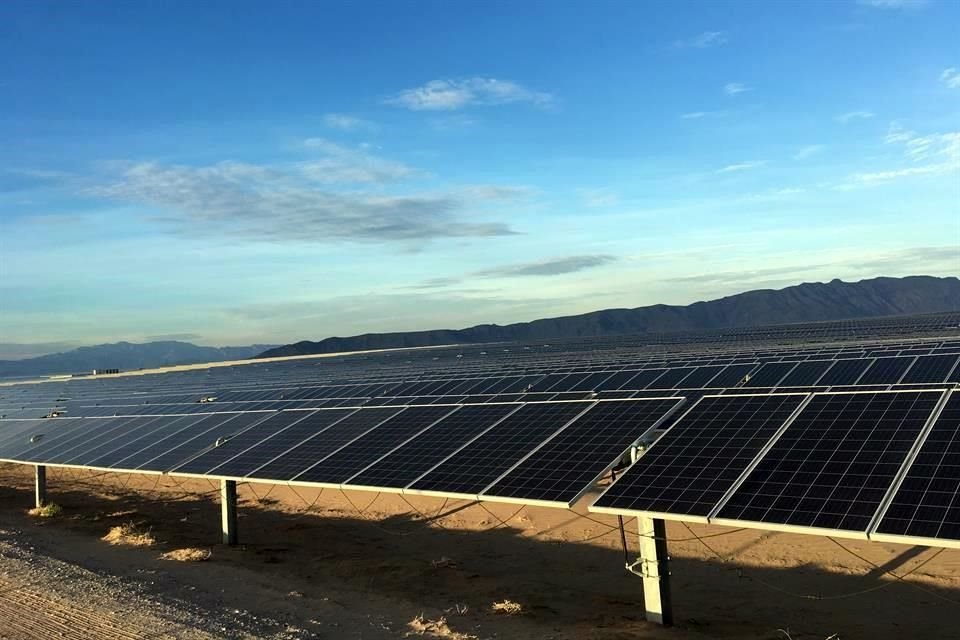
(305, 565)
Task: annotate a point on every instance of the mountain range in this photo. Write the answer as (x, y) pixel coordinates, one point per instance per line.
(126, 356)
(809, 302)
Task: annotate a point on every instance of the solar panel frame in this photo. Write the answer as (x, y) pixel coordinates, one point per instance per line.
(440, 467)
(369, 447)
(920, 469)
(489, 493)
(678, 426)
(413, 448)
(766, 458)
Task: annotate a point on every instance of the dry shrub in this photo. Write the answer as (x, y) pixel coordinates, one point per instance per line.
(508, 607)
(187, 554)
(49, 510)
(435, 629)
(129, 535)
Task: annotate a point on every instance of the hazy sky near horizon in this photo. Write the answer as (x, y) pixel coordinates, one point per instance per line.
(238, 172)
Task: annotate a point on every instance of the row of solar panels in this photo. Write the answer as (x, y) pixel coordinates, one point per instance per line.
(933, 369)
(446, 449)
(857, 464)
(878, 465)
(295, 371)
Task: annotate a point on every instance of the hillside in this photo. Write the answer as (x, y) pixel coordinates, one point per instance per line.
(809, 302)
(125, 356)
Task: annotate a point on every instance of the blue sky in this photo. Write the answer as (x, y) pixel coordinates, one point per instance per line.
(232, 173)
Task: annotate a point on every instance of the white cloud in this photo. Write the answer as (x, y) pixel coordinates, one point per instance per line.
(742, 166)
(291, 203)
(733, 88)
(844, 118)
(704, 40)
(939, 153)
(349, 165)
(697, 115)
(951, 78)
(345, 122)
(596, 198)
(893, 4)
(449, 95)
(808, 151)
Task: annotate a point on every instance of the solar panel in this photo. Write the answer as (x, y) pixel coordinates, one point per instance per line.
(929, 369)
(133, 431)
(700, 376)
(926, 505)
(671, 378)
(62, 437)
(229, 446)
(204, 435)
(277, 443)
(414, 458)
(560, 471)
(806, 374)
(770, 374)
(470, 470)
(844, 372)
(370, 447)
(124, 446)
(168, 441)
(685, 473)
(885, 371)
(832, 466)
(732, 375)
(642, 379)
(306, 453)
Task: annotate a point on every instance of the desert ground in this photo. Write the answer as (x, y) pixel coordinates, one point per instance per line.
(137, 556)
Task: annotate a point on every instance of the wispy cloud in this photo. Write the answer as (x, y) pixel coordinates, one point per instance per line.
(351, 165)
(696, 115)
(734, 88)
(549, 267)
(742, 166)
(291, 203)
(894, 4)
(345, 122)
(808, 151)
(742, 277)
(449, 95)
(844, 118)
(596, 198)
(704, 40)
(932, 154)
(951, 78)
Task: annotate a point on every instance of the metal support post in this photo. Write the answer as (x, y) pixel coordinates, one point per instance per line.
(40, 492)
(228, 511)
(654, 568)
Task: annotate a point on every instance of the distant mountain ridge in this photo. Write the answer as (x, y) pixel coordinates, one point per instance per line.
(126, 356)
(808, 302)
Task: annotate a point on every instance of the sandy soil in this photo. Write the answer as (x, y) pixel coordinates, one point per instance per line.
(323, 564)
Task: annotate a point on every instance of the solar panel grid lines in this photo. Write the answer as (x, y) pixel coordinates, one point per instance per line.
(923, 505)
(844, 372)
(185, 444)
(411, 460)
(230, 446)
(886, 370)
(707, 449)
(770, 374)
(806, 373)
(564, 467)
(930, 369)
(473, 467)
(305, 454)
(369, 448)
(833, 466)
(92, 434)
(123, 447)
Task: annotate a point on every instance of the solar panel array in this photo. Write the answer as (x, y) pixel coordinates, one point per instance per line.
(793, 427)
